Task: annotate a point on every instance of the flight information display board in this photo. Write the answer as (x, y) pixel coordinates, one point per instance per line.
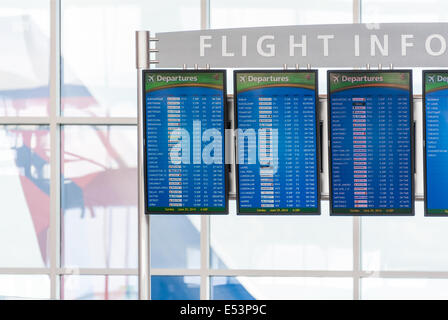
(435, 132)
(277, 157)
(184, 125)
(371, 142)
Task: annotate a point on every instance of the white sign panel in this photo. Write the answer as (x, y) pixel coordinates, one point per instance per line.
(341, 45)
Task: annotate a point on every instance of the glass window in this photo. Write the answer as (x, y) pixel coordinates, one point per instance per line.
(99, 196)
(381, 11)
(238, 14)
(175, 241)
(17, 287)
(280, 288)
(175, 287)
(101, 81)
(99, 227)
(406, 289)
(25, 195)
(281, 242)
(78, 287)
(405, 11)
(407, 244)
(24, 66)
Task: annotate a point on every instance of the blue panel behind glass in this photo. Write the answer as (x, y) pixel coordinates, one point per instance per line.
(228, 288)
(175, 288)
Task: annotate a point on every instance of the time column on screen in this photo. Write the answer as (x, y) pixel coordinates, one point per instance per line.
(196, 174)
(287, 159)
(383, 145)
(372, 142)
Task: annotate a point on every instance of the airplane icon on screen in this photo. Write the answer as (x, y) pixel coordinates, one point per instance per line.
(335, 78)
(431, 78)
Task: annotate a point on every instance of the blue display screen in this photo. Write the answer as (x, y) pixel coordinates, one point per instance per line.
(184, 136)
(277, 167)
(436, 141)
(370, 143)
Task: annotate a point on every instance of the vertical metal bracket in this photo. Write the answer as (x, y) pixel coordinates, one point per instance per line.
(142, 49)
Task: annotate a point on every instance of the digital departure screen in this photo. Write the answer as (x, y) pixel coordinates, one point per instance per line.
(184, 124)
(435, 130)
(277, 160)
(371, 142)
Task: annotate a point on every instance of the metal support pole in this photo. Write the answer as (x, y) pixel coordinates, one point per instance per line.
(142, 50)
(356, 258)
(205, 14)
(356, 11)
(55, 147)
